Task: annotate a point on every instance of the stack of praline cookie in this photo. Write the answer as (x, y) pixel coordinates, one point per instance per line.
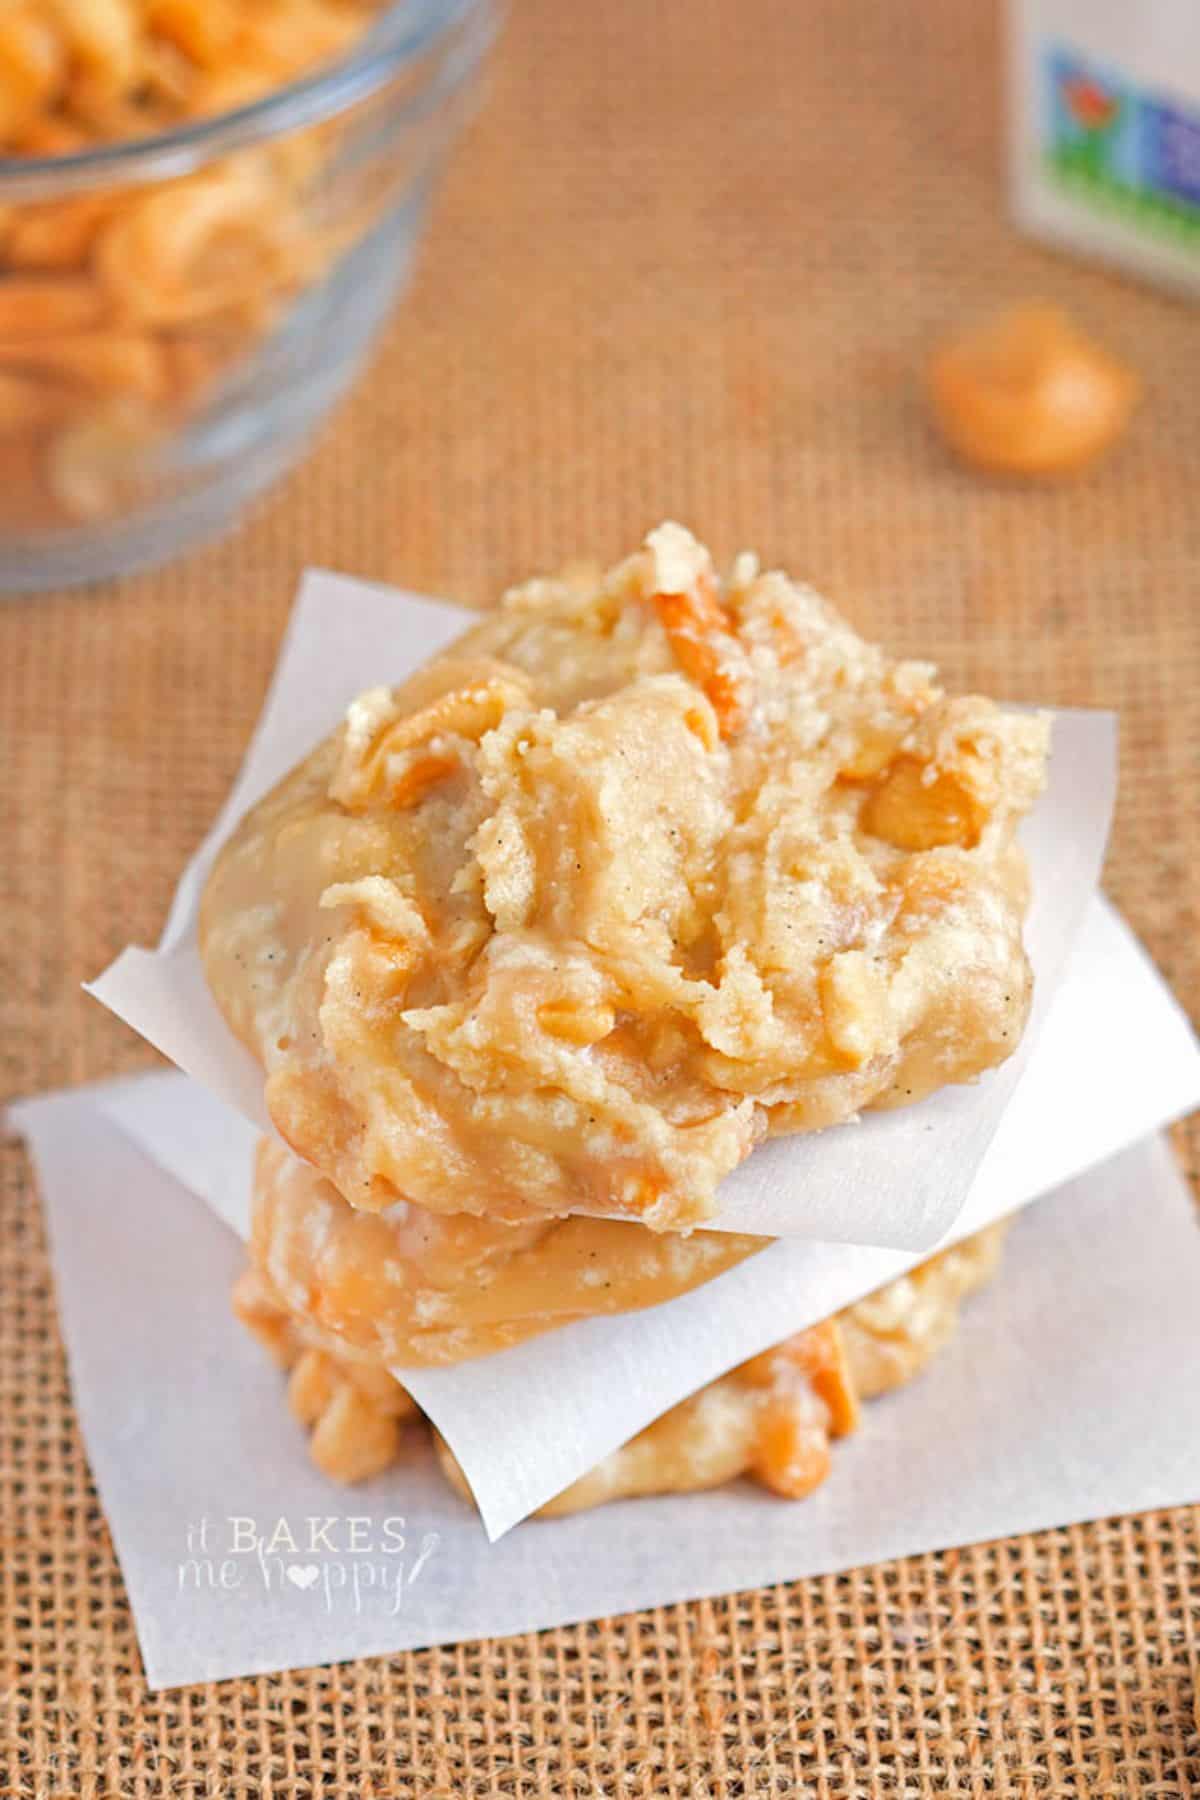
(536, 949)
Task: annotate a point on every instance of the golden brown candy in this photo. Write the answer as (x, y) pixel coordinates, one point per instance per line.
(1028, 393)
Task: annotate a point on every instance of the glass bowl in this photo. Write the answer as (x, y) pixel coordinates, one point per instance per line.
(177, 313)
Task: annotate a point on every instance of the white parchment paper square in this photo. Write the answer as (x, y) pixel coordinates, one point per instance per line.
(897, 1178)
(1072, 1391)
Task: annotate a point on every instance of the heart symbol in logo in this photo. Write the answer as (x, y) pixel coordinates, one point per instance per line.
(302, 1575)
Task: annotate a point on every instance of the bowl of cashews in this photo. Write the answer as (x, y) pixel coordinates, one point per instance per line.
(207, 209)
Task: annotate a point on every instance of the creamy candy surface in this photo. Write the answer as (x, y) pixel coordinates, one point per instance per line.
(646, 866)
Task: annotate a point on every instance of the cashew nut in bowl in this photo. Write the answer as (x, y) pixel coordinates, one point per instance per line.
(94, 361)
(28, 404)
(45, 307)
(193, 249)
(93, 460)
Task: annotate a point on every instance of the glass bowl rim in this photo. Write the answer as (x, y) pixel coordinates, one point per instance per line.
(404, 32)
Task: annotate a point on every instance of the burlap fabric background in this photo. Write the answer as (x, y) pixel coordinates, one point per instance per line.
(688, 262)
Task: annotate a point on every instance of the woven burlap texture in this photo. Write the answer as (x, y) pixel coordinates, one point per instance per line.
(688, 261)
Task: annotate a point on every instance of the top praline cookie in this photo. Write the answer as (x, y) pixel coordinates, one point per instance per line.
(645, 867)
